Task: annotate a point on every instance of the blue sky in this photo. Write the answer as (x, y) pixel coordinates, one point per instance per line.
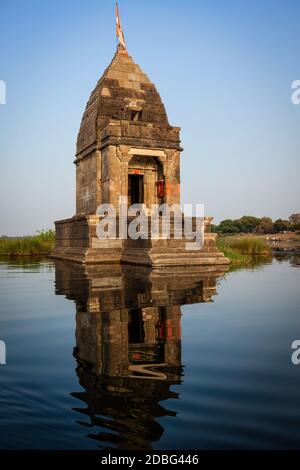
(224, 71)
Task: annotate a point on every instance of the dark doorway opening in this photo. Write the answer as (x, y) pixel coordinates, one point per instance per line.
(135, 189)
(136, 332)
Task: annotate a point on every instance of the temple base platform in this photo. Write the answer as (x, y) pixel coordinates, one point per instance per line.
(77, 241)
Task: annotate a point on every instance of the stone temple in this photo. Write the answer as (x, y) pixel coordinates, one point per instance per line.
(126, 147)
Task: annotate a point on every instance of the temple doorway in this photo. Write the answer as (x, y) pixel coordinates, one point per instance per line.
(146, 184)
(135, 189)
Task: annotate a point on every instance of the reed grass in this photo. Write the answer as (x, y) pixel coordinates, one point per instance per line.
(40, 244)
(243, 251)
(250, 246)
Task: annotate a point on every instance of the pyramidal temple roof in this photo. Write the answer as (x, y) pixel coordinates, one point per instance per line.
(124, 92)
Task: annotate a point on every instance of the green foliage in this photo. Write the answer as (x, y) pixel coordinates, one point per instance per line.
(250, 246)
(281, 225)
(40, 244)
(244, 251)
(228, 226)
(266, 225)
(236, 258)
(246, 224)
(46, 235)
(250, 224)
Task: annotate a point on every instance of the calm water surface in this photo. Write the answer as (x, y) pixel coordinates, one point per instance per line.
(127, 358)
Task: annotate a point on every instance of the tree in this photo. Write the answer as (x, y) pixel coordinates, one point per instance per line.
(294, 219)
(249, 224)
(266, 225)
(281, 225)
(228, 226)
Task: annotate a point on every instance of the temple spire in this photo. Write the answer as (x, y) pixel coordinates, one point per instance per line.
(119, 32)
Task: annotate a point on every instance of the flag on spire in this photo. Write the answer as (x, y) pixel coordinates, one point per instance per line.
(120, 34)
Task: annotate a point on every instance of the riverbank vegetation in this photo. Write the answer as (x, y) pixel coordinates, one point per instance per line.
(40, 244)
(264, 225)
(244, 251)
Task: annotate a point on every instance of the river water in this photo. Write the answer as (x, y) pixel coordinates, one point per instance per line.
(108, 357)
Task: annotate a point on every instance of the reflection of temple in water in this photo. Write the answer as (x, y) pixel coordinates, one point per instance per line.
(128, 345)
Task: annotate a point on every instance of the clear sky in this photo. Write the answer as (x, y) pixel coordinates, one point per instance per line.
(224, 70)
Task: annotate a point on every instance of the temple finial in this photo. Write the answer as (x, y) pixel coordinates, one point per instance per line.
(119, 31)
